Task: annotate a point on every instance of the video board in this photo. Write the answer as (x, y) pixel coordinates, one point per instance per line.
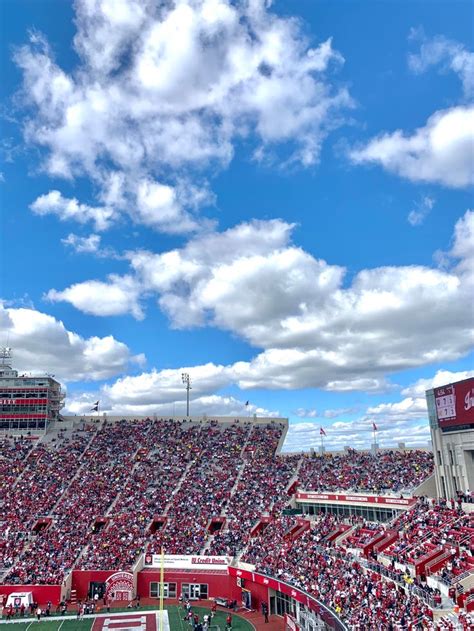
(455, 404)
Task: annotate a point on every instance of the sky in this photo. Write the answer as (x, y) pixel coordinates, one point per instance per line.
(272, 197)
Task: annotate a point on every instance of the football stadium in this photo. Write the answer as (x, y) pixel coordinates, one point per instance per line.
(236, 315)
(152, 523)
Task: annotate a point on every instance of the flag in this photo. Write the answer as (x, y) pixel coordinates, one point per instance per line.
(374, 426)
(246, 403)
(322, 432)
(95, 407)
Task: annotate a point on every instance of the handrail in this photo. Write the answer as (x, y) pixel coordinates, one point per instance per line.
(327, 613)
(329, 610)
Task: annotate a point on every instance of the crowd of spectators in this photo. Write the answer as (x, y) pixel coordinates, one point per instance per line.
(80, 486)
(430, 525)
(260, 491)
(111, 493)
(205, 490)
(45, 475)
(361, 597)
(384, 472)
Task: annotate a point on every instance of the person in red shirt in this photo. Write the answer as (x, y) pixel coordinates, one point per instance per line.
(228, 621)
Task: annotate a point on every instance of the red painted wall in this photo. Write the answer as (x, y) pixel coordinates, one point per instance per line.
(82, 578)
(41, 593)
(219, 584)
(259, 593)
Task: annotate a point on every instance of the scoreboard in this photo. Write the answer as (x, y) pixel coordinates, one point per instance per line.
(455, 404)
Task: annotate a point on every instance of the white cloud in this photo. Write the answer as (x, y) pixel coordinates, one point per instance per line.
(82, 245)
(303, 436)
(166, 385)
(160, 206)
(328, 414)
(162, 393)
(117, 296)
(161, 91)
(407, 409)
(210, 406)
(440, 152)
(441, 378)
(312, 328)
(339, 412)
(304, 413)
(41, 343)
(421, 210)
(448, 54)
(53, 203)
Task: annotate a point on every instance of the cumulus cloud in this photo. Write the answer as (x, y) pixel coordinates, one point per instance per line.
(162, 91)
(82, 245)
(328, 414)
(447, 55)
(441, 152)
(210, 406)
(41, 343)
(303, 436)
(441, 378)
(422, 209)
(407, 409)
(162, 393)
(305, 413)
(117, 296)
(53, 203)
(313, 329)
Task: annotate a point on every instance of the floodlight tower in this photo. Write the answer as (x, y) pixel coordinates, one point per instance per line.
(187, 382)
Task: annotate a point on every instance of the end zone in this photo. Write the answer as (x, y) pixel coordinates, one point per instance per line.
(124, 621)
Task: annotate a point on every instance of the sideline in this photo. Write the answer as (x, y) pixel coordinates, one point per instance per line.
(70, 617)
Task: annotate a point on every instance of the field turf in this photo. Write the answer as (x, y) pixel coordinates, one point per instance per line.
(175, 617)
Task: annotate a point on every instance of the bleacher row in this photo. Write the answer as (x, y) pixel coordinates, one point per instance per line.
(98, 497)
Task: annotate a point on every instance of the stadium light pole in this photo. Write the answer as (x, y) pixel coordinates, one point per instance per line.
(187, 382)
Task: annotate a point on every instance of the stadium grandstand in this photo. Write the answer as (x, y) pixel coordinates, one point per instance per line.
(124, 512)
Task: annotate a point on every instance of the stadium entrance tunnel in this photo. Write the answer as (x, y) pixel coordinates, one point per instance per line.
(157, 524)
(216, 524)
(97, 587)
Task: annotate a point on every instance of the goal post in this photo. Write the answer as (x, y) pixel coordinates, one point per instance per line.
(162, 587)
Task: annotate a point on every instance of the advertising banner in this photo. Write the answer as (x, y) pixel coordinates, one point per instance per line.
(181, 562)
(349, 499)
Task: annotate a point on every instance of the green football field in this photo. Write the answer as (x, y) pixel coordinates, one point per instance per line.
(175, 617)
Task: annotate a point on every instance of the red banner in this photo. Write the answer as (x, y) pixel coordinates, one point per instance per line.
(350, 499)
(455, 403)
(297, 594)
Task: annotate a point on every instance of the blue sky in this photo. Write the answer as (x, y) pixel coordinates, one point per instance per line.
(274, 199)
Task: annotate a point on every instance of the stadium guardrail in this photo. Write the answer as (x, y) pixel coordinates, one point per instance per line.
(326, 613)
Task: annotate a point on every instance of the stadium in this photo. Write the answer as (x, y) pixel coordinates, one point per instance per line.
(236, 315)
(152, 523)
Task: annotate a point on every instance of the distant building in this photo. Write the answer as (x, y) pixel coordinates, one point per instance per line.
(451, 414)
(27, 403)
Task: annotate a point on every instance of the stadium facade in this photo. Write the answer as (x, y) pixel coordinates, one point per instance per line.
(116, 508)
(27, 402)
(451, 416)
